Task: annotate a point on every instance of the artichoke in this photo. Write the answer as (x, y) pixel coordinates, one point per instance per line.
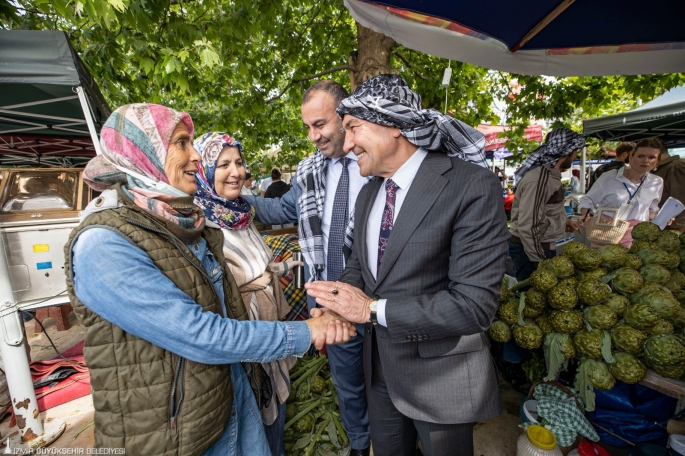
(626, 281)
(600, 377)
(562, 297)
(665, 350)
(617, 303)
(542, 280)
(649, 287)
(528, 336)
(535, 299)
(628, 339)
(532, 312)
(627, 368)
(544, 323)
(654, 273)
(613, 256)
(508, 312)
(637, 246)
(600, 317)
(593, 292)
(633, 261)
(672, 260)
(678, 278)
(500, 332)
(646, 231)
(589, 344)
(587, 260)
(570, 281)
(571, 248)
(673, 287)
(566, 321)
(317, 385)
(662, 301)
(304, 424)
(678, 319)
(640, 316)
(290, 411)
(568, 349)
(669, 241)
(595, 274)
(543, 264)
(504, 297)
(561, 266)
(674, 371)
(654, 256)
(661, 327)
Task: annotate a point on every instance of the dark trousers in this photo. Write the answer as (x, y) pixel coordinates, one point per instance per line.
(522, 264)
(347, 370)
(274, 432)
(394, 434)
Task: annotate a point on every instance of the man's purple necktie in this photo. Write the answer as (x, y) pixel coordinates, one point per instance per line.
(387, 219)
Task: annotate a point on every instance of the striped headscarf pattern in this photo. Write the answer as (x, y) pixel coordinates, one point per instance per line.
(387, 100)
(558, 144)
(136, 139)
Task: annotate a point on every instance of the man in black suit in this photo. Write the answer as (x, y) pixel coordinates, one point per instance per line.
(425, 271)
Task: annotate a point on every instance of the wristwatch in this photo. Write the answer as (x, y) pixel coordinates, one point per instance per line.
(373, 307)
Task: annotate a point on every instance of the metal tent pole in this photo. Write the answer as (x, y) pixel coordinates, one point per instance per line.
(583, 159)
(89, 118)
(13, 348)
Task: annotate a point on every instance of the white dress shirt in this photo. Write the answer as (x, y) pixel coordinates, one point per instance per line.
(335, 168)
(610, 191)
(403, 177)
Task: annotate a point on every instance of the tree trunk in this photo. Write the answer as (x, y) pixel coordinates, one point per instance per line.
(372, 57)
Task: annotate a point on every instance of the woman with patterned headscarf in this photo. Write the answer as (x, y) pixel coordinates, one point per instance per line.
(167, 330)
(220, 178)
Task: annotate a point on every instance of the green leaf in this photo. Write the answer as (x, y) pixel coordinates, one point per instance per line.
(522, 305)
(606, 347)
(333, 434)
(584, 386)
(302, 442)
(119, 5)
(553, 353)
(209, 57)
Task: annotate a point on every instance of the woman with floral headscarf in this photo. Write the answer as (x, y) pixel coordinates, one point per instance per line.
(220, 178)
(167, 330)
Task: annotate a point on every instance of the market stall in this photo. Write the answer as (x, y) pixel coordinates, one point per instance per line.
(50, 116)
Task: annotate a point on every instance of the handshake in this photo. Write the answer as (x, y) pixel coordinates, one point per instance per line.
(327, 327)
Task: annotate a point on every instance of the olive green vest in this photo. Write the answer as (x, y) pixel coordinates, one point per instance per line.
(139, 403)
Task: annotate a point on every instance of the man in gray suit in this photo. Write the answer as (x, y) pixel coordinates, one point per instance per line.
(425, 271)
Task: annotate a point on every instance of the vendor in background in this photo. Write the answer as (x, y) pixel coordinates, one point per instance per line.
(278, 187)
(622, 153)
(672, 170)
(167, 331)
(500, 175)
(250, 186)
(220, 180)
(574, 184)
(508, 201)
(538, 217)
(630, 189)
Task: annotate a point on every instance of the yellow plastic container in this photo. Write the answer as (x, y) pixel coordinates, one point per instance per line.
(537, 441)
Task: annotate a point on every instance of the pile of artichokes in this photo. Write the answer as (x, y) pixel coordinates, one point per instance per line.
(619, 310)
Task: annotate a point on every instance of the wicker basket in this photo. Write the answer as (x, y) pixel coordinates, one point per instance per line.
(602, 234)
(579, 438)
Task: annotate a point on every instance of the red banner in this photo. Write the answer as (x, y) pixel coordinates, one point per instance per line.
(493, 141)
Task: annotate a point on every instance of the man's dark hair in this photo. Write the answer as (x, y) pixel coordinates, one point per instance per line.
(652, 143)
(332, 88)
(624, 148)
(248, 176)
(275, 174)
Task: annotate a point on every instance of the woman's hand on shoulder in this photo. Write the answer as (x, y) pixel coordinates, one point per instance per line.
(329, 328)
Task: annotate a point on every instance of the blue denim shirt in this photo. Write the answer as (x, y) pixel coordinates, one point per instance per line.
(123, 286)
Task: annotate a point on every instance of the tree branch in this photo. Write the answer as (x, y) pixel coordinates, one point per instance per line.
(409, 64)
(307, 78)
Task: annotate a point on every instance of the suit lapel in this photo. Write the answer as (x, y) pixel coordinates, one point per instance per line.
(425, 189)
(360, 225)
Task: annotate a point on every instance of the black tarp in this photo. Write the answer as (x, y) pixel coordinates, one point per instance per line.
(663, 117)
(41, 118)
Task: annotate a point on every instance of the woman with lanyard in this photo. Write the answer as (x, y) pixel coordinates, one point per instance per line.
(633, 190)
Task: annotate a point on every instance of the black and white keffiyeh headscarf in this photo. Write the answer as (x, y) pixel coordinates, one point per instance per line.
(311, 179)
(387, 100)
(558, 144)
